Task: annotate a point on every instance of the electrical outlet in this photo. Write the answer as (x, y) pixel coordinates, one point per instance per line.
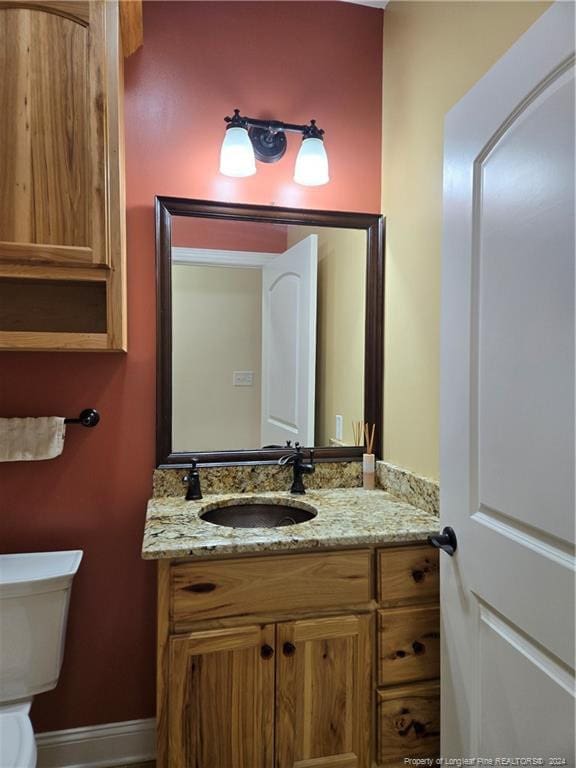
(339, 427)
(243, 378)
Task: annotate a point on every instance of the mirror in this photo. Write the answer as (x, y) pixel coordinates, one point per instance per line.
(269, 331)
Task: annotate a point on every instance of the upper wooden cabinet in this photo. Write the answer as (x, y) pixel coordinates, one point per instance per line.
(53, 141)
(62, 210)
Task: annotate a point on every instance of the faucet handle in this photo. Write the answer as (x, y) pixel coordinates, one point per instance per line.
(292, 458)
(192, 477)
(190, 471)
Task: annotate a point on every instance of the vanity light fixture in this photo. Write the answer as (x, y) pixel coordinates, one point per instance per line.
(248, 139)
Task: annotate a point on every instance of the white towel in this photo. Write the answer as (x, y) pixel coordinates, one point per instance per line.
(31, 439)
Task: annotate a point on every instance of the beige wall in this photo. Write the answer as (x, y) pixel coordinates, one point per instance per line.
(340, 328)
(433, 53)
(217, 318)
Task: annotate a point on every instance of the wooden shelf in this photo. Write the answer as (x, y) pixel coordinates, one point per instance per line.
(42, 253)
(52, 272)
(33, 341)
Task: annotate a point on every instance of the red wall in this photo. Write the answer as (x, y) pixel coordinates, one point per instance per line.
(257, 236)
(292, 61)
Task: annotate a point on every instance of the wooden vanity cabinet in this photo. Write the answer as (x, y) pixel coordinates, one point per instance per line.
(290, 695)
(298, 661)
(62, 238)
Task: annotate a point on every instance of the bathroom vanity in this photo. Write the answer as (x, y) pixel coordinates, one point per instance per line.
(313, 643)
(306, 646)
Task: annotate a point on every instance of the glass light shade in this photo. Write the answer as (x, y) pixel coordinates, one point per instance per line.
(312, 164)
(237, 154)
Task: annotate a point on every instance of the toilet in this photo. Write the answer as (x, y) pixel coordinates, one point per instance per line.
(34, 596)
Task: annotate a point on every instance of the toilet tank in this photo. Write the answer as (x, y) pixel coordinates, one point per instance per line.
(34, 596)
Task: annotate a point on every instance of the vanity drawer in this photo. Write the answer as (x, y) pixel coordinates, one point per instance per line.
(408, 645)
(408, 575)
(268, 585)
(408, 723)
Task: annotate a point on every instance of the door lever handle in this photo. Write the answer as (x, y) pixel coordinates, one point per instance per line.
(446, 541)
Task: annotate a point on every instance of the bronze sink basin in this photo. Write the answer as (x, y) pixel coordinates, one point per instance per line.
(265, 514)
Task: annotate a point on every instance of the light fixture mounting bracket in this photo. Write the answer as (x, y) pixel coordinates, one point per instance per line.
(269, 145)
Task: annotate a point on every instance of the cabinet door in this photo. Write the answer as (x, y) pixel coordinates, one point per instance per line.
(59, 164)
(221, 699)
(323, 693)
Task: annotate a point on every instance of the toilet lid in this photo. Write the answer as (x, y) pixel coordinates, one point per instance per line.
(17, 744)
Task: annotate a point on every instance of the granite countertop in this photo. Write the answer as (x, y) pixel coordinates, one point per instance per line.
(345, 517)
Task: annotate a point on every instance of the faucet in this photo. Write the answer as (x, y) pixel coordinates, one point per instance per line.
(299, 467)
(192, 477)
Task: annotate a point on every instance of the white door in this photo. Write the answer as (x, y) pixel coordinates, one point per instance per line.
(507, 405)
(289, 345)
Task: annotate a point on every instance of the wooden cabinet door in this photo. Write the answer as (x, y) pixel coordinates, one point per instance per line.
(323, 693)
(59, 152)
(221, 699)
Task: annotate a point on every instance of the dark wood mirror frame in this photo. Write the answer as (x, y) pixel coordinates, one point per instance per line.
(372, 224)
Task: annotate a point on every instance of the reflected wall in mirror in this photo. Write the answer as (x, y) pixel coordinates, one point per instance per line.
(269, 330)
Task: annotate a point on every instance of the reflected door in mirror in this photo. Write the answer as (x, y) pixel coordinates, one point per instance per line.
(289, 345)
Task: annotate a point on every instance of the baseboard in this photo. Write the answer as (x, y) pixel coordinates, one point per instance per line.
(98, 746)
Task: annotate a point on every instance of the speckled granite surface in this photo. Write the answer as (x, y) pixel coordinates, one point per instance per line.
(345, 517)
(416, 490)
(255, 479)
